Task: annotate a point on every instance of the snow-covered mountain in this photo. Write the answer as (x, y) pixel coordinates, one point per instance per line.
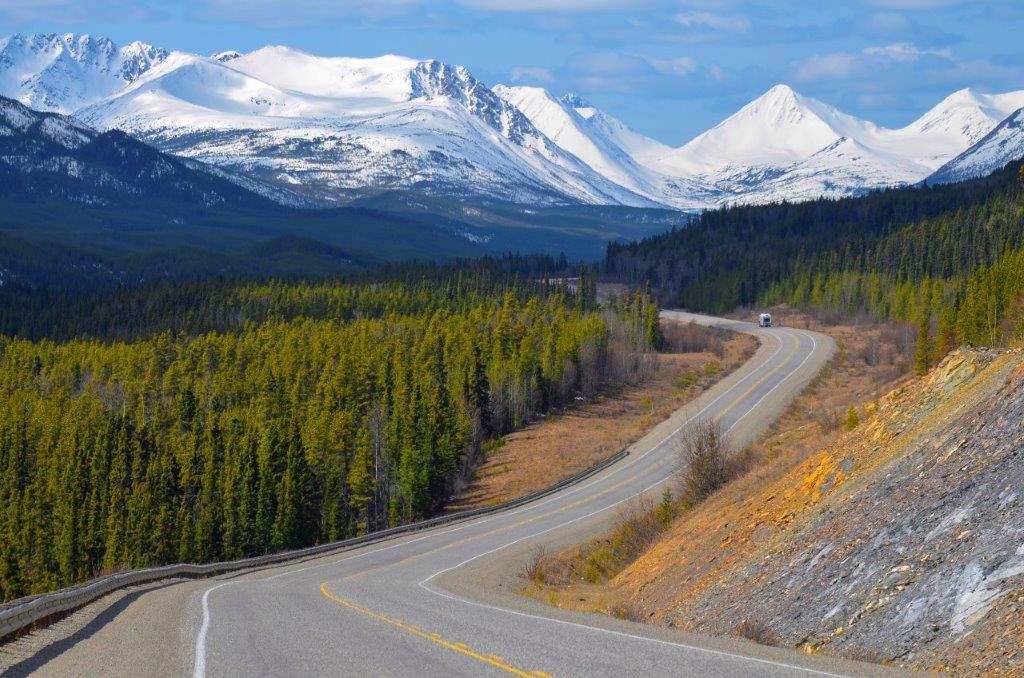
(787, 146)
(781, 146)
(63, 73)
(606, 145)
(336, 129)
(953, 125)
(53, 156)
(993, 151)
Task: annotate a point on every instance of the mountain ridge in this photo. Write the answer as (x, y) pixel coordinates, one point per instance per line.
(337, 129)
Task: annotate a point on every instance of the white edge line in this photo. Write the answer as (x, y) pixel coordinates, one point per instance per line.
(199, 667)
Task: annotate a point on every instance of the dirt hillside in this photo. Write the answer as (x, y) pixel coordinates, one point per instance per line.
(903, 542)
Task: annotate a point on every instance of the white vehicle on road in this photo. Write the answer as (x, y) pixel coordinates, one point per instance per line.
(765, 320)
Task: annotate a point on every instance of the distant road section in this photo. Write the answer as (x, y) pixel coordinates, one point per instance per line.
(443, 602)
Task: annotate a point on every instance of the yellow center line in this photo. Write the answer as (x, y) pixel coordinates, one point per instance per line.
(737, 401)
(491, 659)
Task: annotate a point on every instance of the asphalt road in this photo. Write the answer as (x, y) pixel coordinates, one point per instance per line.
(443, 602)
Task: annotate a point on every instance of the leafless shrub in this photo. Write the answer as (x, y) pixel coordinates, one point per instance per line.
(628, 610)
(827, 417)
(533, 570)
(636, 526)
(756, 631)
(704, 466)
(693, 338)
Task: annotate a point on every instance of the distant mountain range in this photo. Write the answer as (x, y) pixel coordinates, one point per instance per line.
(53, 156)
(81, 207)
(336, 130)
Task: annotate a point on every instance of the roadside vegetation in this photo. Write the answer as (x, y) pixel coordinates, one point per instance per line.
(902, 280)
(946, 260)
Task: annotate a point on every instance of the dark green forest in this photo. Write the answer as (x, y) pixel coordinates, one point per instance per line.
(220, 419)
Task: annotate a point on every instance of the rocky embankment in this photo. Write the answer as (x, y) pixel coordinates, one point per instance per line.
(902, 543)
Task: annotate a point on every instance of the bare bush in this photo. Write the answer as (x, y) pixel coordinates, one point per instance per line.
(704, 456)
(693, 338)
(628, 610)
(636, 527)
(533, 570)
(827, 417)
(756, 631)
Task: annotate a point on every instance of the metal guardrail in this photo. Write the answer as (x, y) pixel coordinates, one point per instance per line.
(20, 615)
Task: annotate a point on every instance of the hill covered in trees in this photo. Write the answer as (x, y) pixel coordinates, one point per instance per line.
(948, 258)
(729, 257)
(233, 419)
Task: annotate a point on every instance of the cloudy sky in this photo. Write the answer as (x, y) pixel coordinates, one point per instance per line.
(668, 68)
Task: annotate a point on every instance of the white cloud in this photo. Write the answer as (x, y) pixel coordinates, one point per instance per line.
(720, 23)
(679, 66)
(549, 5)
(835, 66)
(532, 74)
(905, 51)
(839, 66)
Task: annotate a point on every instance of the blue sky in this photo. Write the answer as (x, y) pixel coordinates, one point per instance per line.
(668, 68)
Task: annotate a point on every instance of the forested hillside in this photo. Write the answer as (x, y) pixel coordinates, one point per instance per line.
(948, 259)
(731, 257)
(253, 417)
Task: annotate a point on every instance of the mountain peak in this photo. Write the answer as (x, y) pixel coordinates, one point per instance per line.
(225, 56)
(778, 98)
(573, 100)
(70, 70)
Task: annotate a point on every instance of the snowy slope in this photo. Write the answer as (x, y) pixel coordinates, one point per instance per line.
(781, 146)
(952, 126)
(333, 129)
(844, 167)
(605, 144)
(62, 73)
(785, 146)
(1002, 145)
(49, 155)
(339, 127)
(775, 130)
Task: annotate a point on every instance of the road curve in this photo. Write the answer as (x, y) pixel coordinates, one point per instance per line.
(443, 601)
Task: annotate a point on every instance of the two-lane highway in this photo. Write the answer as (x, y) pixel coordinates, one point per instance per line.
(443, 601)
